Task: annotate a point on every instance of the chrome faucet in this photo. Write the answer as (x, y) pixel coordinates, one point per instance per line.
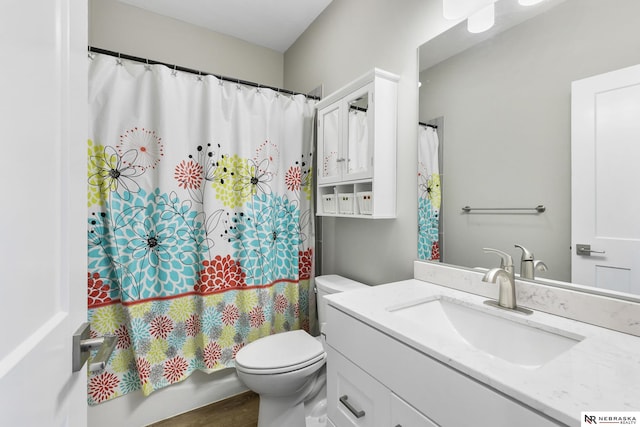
(528, 265)
(505, 278)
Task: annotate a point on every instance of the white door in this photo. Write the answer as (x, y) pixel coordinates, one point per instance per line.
(43, 132)
(605, 177)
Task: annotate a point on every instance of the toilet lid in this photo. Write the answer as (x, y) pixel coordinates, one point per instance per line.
(280, 351)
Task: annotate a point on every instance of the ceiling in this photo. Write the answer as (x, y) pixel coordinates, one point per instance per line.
(275, 24)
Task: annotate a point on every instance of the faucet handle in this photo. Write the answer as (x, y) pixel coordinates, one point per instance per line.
(506, 259)
(539, 265)
(527, 255)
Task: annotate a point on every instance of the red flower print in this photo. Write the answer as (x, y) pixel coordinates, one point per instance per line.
(97, 291)
(230, 314)
(193, 325)
(256, 316)
(305, 260)
(144, 369)
(296, 310)
(124, 341)
(161, 326)
(212, 354)
(281, 303)
(147, 144)
(293, 178)
(174, 369)
(189, 174)
(102, 386)
(435, 251)
(220, 273)
(236, 349)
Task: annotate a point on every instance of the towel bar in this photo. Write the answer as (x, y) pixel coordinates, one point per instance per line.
(538, 209)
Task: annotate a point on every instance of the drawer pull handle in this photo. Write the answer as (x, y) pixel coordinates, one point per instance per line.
(354, 411)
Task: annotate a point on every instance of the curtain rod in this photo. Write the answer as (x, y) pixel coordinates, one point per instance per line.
(198, 72)
(427, 125)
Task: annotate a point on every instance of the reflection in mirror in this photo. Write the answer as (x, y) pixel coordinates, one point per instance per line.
(505, 109)
(331, 141)
(429, 192)
(358, 137)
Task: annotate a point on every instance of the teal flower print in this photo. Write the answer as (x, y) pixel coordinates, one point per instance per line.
(158, 244)
(266, 239)
(427, 228)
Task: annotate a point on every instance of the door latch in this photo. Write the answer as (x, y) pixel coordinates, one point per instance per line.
(585, 250)
(83, 344)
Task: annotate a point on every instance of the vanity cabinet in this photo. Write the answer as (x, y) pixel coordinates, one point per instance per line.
(388, 383)
(356, 150)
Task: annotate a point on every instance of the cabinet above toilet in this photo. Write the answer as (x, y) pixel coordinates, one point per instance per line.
(357, 140)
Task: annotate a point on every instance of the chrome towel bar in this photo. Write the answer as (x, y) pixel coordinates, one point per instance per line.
(538, 209)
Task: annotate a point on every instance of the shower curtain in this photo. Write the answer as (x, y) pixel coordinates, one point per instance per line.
(429, 195)
(200, 228)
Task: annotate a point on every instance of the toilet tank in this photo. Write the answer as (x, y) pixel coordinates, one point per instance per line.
(332, 284)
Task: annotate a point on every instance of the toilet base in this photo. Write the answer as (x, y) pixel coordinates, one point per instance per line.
(317, 415)
(278, 412)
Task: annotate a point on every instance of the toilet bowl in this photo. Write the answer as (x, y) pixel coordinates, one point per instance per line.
(286, 369)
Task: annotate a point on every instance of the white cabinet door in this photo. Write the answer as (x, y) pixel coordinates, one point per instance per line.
(605, 149)
(345, 134)
(358, 147)
(43, 275)
(354, 398)
(330, 159)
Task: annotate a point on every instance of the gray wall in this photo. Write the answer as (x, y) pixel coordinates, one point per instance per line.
(126, 29)
(348, 39)
(506, 109)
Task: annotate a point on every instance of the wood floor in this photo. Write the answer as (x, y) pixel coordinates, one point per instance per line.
(237, 411)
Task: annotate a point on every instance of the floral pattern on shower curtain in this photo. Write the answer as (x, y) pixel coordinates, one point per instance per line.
(200, 233)
(429, 195)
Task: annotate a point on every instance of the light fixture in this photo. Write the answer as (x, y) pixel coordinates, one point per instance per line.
(529, 2)
(460, 9)
(480, 14)
(481, 20)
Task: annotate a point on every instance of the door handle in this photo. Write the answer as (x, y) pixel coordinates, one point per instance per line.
(82, 346)
(585, 250)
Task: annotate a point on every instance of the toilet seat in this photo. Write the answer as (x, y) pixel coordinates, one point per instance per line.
(279, 353)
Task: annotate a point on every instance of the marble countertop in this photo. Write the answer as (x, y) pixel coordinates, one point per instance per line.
(599, 373)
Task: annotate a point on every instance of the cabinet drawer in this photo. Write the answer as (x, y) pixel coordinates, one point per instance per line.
(353, 397)
(403, 415)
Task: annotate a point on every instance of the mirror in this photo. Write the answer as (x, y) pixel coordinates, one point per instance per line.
(502, 104)
(358, 137)
(331, 141)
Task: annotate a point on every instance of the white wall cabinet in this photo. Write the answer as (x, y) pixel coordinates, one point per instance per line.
(356, 154)
(392, 384)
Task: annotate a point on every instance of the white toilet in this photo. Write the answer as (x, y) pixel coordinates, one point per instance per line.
(285, 369)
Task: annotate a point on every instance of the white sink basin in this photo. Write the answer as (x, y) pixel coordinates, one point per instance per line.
(502, 334)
